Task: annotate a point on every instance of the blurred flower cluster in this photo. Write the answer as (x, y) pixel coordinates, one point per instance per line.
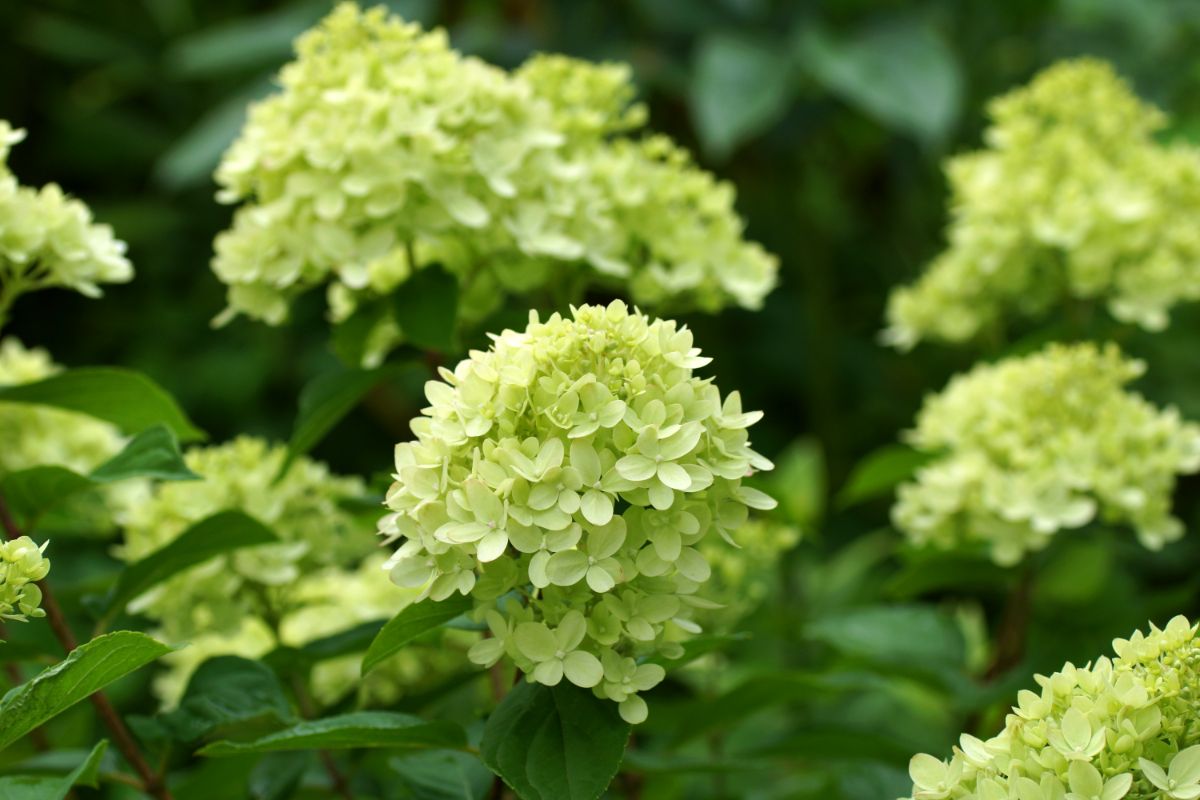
(387, 151)
(1076, 198)
(37, 435)
(48, 239)
(745, 572)
(21, 563)
(1029, 446)
(323, 577)
(565, 479)
(1119, 728)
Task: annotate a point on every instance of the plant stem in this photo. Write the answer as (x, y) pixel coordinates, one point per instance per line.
(152, 784)
(1010, 638)
(308, 710)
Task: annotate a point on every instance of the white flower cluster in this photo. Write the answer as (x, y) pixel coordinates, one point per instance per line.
(387, 151)
(1074, 197)
(48, 239)
(1051, 441)
(565, 479)
(1122, 728)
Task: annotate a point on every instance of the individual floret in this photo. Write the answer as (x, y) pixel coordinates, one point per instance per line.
(21, 564)
(565, 480)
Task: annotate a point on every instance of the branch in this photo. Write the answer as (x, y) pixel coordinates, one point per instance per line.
(152, 783)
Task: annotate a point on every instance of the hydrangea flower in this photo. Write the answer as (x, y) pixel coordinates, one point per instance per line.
(35, 435)
(1120, 728)
(302, 509)
(1075, 197)
(21, 563)
(565, 479)
(1051, 441)
(47, 239)
(387, 151)
(743, 573)
(318, 604)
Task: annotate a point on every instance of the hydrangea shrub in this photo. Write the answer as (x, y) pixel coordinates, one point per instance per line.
(1051, 441)
(386, 151)
(1074, 197)
(565, 479)
(48, 239)
(1122, 727)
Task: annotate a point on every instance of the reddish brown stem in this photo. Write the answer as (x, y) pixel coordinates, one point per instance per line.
(152, 783)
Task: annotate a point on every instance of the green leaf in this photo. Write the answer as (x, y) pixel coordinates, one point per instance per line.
(903, 74)
(277, 775)
(879, 472)
(127, 399)
(555, 743)
(916, 639)
(360, 729)
(88, 669)
(411, 623)
(701, 645)
(212, 536)
(229, 696)
(30, 787)
(798, 482)
(442, 775)
(426, 308)
(153, 453)
(31, 492)
(248, 43)
(739, 88)
(324, 401)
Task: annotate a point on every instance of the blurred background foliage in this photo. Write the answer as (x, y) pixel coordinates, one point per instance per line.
(832, 119)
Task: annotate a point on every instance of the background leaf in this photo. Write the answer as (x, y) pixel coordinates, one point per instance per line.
(30, 787)
(361, 729)
(88, 669)
(229, 697)
(153, 453)
(410, 623)
(740, 86)
(426, 308)
(879, 472)
(212, 536)
(554, 743)
(127, 399)
(901, 73)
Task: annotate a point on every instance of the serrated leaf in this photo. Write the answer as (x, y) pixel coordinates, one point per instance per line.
(901, 73)
(411, 623)
(88, 669)
(740, 87)
(879, 472)
(30, 787)
(362, 729)
(426, 308)
(229, 695)
(127, 399)
(212, 536)
(555, 743)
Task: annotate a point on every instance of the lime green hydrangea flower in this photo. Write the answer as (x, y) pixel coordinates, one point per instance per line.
(387, 151)
(302, 510)
(318, 604)
(48, 239)
(21, 564)
(565, 479)
(35, 436)
(1047, 442)
(1074, 197)
(1119, 728)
